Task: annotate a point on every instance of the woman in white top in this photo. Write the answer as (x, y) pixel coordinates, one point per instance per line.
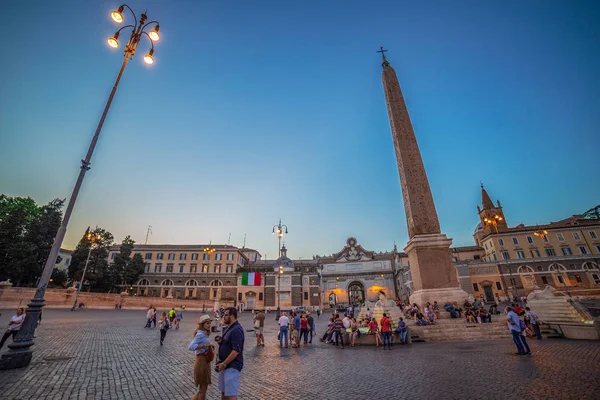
(14, 325)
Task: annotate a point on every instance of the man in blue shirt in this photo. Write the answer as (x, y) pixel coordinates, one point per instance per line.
(231, 354)
(297, 328)
(515, 329)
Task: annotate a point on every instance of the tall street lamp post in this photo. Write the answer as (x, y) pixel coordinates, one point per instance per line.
(20, 352)
(278, 230)
(92, 237)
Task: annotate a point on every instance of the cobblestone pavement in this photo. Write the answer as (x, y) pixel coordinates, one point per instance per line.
(107, 354)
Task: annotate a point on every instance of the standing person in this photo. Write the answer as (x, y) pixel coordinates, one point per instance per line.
(311, 325)
(231, 352)
(303, 329)
(284, 321)
(13, 326)
(318, 313)
(514, 326)
(178, 318)
(535, 322)
(338, 330)
(148, 318)
(296, 330)
(163, 325)
(386, 331)
(259, 326)
(369, 314)
(154, 317)
(204, 356)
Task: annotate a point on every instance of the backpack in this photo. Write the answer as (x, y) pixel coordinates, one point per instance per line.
(167, 324)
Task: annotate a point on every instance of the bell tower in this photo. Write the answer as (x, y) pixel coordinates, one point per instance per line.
(491, 217)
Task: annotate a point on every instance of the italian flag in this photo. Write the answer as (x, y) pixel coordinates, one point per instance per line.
(251, 278)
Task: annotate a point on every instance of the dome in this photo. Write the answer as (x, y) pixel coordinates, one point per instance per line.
(478, 228)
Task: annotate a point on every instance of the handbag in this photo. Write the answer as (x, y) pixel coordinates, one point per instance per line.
(257, 324)
(210, 354)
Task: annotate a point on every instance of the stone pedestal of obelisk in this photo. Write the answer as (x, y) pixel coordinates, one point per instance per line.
(433, 275)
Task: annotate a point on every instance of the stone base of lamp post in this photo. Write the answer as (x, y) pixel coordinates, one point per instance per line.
(20, 353)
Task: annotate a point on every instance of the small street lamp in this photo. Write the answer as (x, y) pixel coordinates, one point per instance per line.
(278, 230)
(92, 237)
(20, 352)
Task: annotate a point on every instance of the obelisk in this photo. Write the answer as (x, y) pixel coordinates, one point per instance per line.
(433, 275)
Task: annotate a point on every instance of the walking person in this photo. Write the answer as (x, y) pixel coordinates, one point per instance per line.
(303, 329)
(178, 318)
(154, 317)
(311, 326)
(163, 326)
(514, 326)
(535, 322)
(259, 326)
(204, 355)
(284, 321)
(149, 315)
(172, 315)
(231, 350)
(14, 325)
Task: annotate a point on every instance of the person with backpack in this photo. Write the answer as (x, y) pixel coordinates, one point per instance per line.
(163, 325)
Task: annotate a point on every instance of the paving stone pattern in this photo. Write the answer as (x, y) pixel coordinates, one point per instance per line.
(106, 354)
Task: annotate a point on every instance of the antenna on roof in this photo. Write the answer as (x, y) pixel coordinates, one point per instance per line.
(244, 246)
(148, 232)
(229, 240)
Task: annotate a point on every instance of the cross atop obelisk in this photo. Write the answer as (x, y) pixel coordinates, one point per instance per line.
(434, 277)
(421, 217)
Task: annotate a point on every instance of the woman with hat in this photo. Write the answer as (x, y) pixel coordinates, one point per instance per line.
(204, 355)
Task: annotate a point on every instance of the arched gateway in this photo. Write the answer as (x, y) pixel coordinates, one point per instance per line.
(356, 293)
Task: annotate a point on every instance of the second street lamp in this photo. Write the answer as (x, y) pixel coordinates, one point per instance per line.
(278, 230)
(92, 237)
(20, 352)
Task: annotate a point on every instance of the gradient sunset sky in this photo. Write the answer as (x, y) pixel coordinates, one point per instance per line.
(260, 110)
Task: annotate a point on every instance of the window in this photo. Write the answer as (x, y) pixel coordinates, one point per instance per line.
(583, 250)
(529, 240)
(539, 267)
(113, 255)
(181, 267)
(190, 292)
(598, 248)
(494, 254)
(560, 237)
(159, 256)
(546, 239)
(593, 235)
(205, 268)
(260, 297)
(194, 256)
(475, 287)
(501, 242)
(560, 279)
(230, 257)
(217, 268)
(520, 254)
(218, 256)
(148, 256)
(515, 240)
(550, 251)
(182, 256)
(240, 296)
(486, 246)
(544, 280)
(596, 279)
(169, 267)
(193, 267)
(567, 251)
(305, 295)
(205, 256)
(498, 286)
(535, 253)
(505, 255)
(578, 278)
(67, 261)
(576, 236)
(171, 256)
(146, 267)
(229, 268)
(513, 282)
(157, 267)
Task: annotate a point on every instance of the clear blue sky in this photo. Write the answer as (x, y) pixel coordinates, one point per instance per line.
(256, 110)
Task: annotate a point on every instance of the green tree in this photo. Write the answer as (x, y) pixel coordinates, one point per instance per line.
(134, 269)
(26, 235)
(59, 278)
(122, 259)
(98, 275)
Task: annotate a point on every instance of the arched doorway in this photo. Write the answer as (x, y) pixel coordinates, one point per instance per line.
(356, 293)
(167, 292)
(592, 271)
(527, 277)
(215, 289)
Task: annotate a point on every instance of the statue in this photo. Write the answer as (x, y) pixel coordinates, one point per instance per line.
(5, 284)
(382, 302)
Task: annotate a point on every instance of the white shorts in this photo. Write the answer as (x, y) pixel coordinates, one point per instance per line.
(229, 382)
(258, 331)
